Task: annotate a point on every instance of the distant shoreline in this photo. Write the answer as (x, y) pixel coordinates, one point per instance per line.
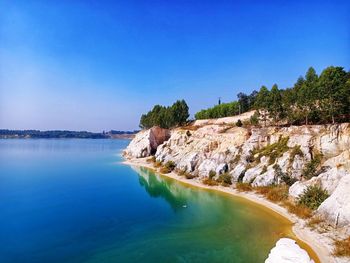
(65, 134)
(310, 240)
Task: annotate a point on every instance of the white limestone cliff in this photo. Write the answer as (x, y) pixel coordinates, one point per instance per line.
(221, 147)
(146, 142)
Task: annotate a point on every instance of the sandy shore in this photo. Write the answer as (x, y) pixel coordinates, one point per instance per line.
(316, 244)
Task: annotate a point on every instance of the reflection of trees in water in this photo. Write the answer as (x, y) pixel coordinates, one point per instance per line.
(156, 187)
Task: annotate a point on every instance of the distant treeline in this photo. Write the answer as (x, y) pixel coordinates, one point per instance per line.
(312, 99)
(122, 132)
(60, 134)
(166, 117)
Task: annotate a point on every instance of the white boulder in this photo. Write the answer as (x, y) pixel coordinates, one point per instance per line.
(288, 251)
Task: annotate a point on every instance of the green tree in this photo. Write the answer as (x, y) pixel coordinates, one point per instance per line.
(262, 103)
(288, 102)
(275, 106)
(179, 112)
(243, 102)
(307, 94)
(334, 90)
(165, 117)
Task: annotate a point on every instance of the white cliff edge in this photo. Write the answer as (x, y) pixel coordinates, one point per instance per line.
(287, 251)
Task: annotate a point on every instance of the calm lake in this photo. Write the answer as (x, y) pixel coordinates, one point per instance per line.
(71, 200)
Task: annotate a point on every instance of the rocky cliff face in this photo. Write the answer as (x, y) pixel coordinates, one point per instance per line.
(261, 157)
(146, 142)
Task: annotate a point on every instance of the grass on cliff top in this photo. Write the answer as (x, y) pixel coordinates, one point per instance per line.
(342, 247)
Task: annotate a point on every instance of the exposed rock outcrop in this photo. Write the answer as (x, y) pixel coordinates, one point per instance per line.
(288, 251)
(146, 142)
(336, 208)
(259, 156)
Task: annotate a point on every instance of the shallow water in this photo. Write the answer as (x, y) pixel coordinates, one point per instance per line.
(72, 201)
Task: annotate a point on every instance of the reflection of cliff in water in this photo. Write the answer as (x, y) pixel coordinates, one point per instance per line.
(157, 187)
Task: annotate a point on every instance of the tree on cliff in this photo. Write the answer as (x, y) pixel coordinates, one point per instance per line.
(179, 112)
(166, 117)
(262, 103)
(334, 92)
(307, 94)
(274, 104)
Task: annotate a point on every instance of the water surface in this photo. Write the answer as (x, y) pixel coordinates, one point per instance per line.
(70, 200)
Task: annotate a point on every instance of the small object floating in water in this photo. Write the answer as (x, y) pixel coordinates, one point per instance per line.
(184, 206)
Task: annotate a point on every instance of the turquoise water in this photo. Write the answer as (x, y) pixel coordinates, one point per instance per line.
(72, 201)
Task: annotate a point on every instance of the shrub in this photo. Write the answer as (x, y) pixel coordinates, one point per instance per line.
(311, 167)
(288, 180)
(294, 152)
(250, 158)
(342, 247)
(236, 159)
(168, 167)
(151, 159)
(299, 210)
(212, 174)
(181, 172)
(239, 123)
(254, 119)
(273, 193)
(313, 196)
(225, 179)
(243, 187)
(189, 176)
(157, 164)
(209, 182)
(315, 221)
(274, 150)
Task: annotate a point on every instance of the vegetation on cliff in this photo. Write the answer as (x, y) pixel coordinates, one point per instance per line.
(166, 117)
(313, 99)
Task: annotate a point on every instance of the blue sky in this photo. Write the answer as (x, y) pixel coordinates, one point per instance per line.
(97, 65)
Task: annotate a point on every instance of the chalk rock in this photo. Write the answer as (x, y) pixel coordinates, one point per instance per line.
(328, 181)
(237, 171)
(298, 188)
(336, 208)
(206, 166)
(287, 251)
(265, 179)
(146, 142)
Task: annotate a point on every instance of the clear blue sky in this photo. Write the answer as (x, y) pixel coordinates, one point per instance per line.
(97, 65)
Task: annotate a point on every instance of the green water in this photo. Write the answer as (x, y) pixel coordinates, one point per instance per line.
(205, 226)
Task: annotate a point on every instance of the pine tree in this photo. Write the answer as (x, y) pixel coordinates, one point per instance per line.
(262, 103)
(334, 91)
(275, 107)
(307, 94)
